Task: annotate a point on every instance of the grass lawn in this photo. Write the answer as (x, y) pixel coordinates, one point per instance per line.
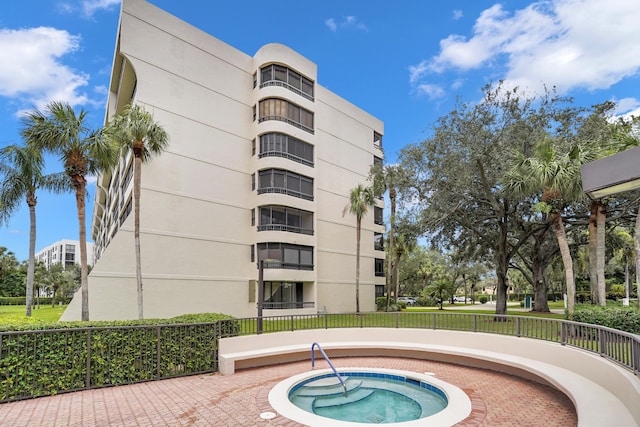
(12, 314)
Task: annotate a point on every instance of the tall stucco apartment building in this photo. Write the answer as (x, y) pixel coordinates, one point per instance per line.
(259, 166)
(65, 252)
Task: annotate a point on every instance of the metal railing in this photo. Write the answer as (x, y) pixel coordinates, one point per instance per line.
(44, 362)
(333, 368)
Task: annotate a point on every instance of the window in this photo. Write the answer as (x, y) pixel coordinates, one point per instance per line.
(255, 80)
(379, 267)
(69, 248)
(279, 75)
(379, 291)
(126, 212)
(283, 295)
(281, 145)
(377, 139)
(282, 181)
(253, 217)
(285, 219)
(253, 181)
(377, 161)
(253, 253)
(293, 257)
(280, 109)
(253, 147)
(377, 215)
(378, 241)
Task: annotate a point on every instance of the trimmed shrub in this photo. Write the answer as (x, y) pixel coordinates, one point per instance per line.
(621, 318)
(483, 299)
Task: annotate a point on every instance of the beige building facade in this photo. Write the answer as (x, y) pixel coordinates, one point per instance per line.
(260, 163)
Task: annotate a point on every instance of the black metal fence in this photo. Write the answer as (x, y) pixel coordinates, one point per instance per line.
(45, 362)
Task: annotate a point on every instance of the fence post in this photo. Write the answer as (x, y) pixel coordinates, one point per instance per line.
(563, 333)
(158, 351)
(397, 320)
(603, 342)
(517, 326)
(88, 376)
(292, 326)
(326, 320)
(475, 323)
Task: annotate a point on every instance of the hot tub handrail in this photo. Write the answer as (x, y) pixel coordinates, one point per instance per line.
(313, 362)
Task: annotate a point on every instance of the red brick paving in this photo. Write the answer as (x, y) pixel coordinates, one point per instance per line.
(238, 400)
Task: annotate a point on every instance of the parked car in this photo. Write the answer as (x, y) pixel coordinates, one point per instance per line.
(462, 299)
(407, 300)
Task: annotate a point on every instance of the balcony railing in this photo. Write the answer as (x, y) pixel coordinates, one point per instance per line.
(283, 227)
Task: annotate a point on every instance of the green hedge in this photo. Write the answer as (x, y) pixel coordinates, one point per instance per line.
(46, 359)
(23, 300)
(624, 319)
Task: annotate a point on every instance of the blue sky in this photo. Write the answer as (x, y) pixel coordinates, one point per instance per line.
(405, 62)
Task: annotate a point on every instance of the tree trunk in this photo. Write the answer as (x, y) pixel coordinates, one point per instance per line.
(593, 251)
(502, 266)
(358, 225)
(137, 169)
(392, 220)
(540, 302)
(637, 248)
(80, 186)
(567, 261)
(31, 263)
(600, 253)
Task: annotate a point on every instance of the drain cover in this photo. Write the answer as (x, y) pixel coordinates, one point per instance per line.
(267, 415)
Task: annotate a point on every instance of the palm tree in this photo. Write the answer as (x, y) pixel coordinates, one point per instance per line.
(59, 130)
(360, 200)
(136, 130)
(384, 178)
(22, 169)
(556, 178)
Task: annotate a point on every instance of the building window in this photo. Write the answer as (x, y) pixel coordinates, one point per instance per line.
(283, 110)
(278, 75)
(285, 182)
(253, 217)
(377, 161)
(283, 218)
(379, 267)
(126, 212)
(377, 215)
(283, 295)
(377, 139)
(253, 147)
(253, 181)
(70, 248)
(293, 257)
(379, 291)
(378, 241)
(281, 145)
(253, 253)
(255, 80)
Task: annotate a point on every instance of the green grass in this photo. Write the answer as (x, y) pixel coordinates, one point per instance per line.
(15, 314)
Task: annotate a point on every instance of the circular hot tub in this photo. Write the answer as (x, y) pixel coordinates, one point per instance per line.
(369, 396)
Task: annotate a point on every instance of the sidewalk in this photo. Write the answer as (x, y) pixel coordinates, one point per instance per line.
(239, 400)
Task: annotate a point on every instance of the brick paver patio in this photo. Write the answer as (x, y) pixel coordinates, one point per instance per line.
(238, 400)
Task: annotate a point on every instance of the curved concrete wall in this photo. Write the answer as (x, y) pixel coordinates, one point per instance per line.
(603, 393)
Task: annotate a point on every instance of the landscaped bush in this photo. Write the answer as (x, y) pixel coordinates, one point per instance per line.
(48, 358)
(483, 299)
(624, 319)
(23, 300)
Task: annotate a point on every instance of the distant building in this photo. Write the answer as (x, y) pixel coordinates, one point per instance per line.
(260, 163)
(65, 252)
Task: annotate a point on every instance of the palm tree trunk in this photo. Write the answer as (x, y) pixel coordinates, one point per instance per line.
(80, 186)
(31, 263)
(137, 169)
(392, 220)
(593, 251)
(637, 247)
(358, 225)
(601, 216)
(567, 261)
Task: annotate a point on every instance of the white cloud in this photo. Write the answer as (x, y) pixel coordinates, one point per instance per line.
(627, 107)
(569, 44)
(89, 7)
(347, 22)
(432, 91)
(457, 14)
(31, 70)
